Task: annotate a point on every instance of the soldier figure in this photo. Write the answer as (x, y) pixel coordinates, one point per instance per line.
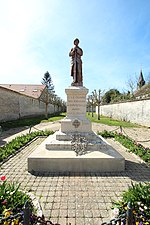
(76, 64)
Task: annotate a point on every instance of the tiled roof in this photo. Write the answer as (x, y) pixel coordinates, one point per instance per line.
(31, 90)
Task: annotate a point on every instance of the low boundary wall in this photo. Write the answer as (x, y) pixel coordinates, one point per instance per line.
(14, 106)
(135, 112)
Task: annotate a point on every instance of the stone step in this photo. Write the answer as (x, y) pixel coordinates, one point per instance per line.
(76, 146)
(90, 142)
(60, 136)
(54, 161)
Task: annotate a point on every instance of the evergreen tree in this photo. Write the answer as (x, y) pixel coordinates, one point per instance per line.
(48, 94)
(47, 80)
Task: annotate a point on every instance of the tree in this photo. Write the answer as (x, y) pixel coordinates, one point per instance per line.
(54, 102)
(97, 100)
(91, 103)
(88, 104)
(110, 96)
(132, 83)
(48, 94)
(47, 80)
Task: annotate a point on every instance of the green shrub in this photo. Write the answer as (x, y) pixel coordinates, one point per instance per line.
(107, 134)
(14, 145)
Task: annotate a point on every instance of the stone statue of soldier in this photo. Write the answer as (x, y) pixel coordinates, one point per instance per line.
(76, 64)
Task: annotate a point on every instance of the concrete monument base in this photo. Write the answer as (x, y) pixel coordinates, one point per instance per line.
(57, 156)
(75, 148)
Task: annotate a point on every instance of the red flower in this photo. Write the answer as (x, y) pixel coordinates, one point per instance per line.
(3, 178)
(4, 202)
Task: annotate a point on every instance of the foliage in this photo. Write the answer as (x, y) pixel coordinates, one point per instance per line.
(11, 198)
(134, 147)
(133, 93)
(11, 147)
(110, 95)
(47, 95)
(123, 97)
(139, 197)
(130, 144)
(47, 80)
(107, 134)
(109, 121)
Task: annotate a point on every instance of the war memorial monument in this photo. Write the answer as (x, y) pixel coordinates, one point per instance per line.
(75, 147)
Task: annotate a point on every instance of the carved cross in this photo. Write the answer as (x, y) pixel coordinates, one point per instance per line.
(76, 123)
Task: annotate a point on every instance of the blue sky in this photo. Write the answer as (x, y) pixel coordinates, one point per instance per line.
(37, 35)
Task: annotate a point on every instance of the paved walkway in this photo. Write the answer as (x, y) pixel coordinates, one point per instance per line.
(76, 198)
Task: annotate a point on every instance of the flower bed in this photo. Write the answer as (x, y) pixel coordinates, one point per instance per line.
(131, 145)
(12, 200)
(13, 146)
(18, 207)
(139, 197)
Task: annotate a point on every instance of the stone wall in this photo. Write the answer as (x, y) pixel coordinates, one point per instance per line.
(14, 106)
(30, 106)
(9, 105)
(136, 112)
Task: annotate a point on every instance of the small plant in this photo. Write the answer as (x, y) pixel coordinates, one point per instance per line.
(12, 199)
(139, 196)
(107, 134)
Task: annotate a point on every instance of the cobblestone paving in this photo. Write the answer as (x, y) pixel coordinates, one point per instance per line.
(75, 198)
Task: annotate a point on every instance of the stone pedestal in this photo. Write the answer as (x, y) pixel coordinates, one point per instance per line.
(75, 120)
(75, 147)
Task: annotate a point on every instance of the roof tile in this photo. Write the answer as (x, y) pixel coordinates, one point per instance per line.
(31, 90)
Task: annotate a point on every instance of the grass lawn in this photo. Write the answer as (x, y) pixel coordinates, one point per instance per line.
(30, 121)
(41, 119)
(109, 121)
(54, 118)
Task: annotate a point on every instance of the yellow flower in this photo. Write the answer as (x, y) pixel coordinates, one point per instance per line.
(134, 212)
(7, 212)
(15, 222)
(6, 223)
